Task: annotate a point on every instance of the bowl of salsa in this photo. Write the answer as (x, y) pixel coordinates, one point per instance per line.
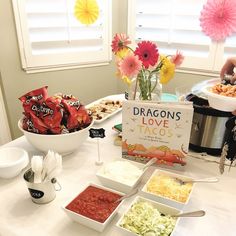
(94, 206)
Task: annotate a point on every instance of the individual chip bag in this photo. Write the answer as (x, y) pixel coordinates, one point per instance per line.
(51, 114)
(31, 101)
(33, 124)
(71, 106)
(77, 114)
(39, 95)
(39, 126)
(83, 118)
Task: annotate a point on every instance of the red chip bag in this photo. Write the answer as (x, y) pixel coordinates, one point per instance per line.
(31, 101)
(38, 125)
(38, 95)
(31, 106)
(83, 117)
(72, 106)
(51, 114)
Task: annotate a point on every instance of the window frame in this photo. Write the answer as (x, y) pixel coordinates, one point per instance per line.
(41, 63)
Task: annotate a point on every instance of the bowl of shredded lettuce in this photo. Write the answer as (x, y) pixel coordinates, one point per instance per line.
(148, 218)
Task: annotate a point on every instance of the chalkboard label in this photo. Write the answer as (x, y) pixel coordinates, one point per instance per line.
(36, 193)
(97, 133)
(126, 95)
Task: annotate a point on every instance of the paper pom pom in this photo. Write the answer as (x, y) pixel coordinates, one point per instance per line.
(218, 19)
(86, 11)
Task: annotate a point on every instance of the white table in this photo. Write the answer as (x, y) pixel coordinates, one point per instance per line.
(20, 216)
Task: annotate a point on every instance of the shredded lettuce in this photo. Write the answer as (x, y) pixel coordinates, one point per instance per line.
(143, 219)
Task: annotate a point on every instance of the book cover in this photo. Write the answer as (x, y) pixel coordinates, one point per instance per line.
(160, 130)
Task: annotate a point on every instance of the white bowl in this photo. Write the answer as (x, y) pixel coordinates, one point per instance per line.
(164, 209)
(119, 185)
(12, 161)
(163, 199)
(61, 143)
(220, 102)
(98, 226)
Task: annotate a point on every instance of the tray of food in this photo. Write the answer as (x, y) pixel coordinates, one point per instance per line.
(106, 107)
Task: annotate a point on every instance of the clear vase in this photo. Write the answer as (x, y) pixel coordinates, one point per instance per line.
(145, 88)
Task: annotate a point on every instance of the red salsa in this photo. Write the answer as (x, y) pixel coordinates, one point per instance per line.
(94, 203)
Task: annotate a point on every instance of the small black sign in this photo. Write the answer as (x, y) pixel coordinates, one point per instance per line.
(97, 133)
(126, 95)
(36, 193)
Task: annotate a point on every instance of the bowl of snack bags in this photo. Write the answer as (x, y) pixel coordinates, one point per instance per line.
(59, 122)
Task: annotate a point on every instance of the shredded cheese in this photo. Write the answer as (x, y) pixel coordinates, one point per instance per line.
(167, 186)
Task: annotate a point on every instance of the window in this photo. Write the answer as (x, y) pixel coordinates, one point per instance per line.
(174, 24)
(51, 37)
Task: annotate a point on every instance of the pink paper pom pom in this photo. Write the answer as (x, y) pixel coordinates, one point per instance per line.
(218, 19)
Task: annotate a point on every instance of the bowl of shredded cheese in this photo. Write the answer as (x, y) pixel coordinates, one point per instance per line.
(168, 188)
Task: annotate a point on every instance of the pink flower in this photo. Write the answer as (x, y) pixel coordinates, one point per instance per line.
(147, 53)
(177, 59)
(120, 41)
(218, 18)
(130, 66)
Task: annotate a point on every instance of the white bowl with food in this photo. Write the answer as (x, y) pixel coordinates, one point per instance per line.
(12, 161)
(95, 206)
(221, 97)
(146, 217)
(122, 175)
(61, 143)
(168, 188)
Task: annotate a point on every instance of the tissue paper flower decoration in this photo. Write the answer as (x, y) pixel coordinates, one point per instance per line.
(86, 11)
(218, 19)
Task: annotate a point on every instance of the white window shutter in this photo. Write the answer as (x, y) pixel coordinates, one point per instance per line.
(173, 25)
(225, 50)
(50, 36)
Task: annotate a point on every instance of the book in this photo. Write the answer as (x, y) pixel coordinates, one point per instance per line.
(156, 129)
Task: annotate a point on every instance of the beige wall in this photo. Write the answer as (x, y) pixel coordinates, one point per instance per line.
(87, 84)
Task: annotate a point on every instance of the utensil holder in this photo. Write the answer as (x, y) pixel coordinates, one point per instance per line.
(41, 193)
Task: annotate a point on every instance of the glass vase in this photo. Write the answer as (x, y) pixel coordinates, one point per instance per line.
(145, 88)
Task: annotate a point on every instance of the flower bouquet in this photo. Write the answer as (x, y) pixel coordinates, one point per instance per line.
(144, 67)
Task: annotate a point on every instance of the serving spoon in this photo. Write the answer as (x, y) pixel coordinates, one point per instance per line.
(205, 180)
(184, 214)
(149, 163)
(190, 214)
(127, 195)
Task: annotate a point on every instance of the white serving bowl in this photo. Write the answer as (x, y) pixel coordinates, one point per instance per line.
(220, 102)
(120, 185)
(163, 199)
(12, 161)
(98, 226)
(162, 208)
(61, 143)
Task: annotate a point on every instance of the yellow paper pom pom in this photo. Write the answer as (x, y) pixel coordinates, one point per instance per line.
(86, 11)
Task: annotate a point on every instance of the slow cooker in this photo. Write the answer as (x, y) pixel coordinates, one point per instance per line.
(208, 130)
